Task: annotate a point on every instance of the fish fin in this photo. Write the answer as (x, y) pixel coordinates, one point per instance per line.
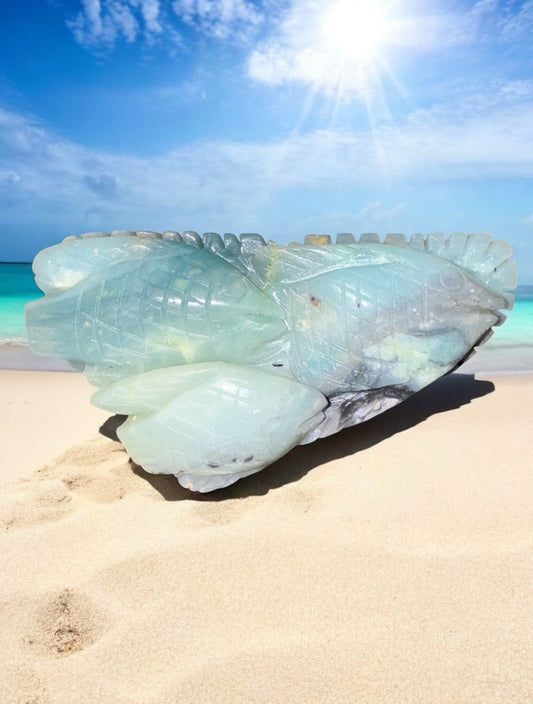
(148, 392)
(489, 260)
(211, 424)
(61, 266)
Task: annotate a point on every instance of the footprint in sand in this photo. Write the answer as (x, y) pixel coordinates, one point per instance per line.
(29, 503)
(63, 624)
(98, 470)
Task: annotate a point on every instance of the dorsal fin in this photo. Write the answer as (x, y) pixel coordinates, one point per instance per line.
(489, 260)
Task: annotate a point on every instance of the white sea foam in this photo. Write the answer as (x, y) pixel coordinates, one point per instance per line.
(14, 341)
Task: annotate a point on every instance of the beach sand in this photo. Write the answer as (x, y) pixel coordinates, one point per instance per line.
(388, 564)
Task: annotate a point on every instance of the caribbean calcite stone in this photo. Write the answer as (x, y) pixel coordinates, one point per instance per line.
(226, 353)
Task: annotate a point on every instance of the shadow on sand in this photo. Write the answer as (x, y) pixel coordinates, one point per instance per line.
(445, 394)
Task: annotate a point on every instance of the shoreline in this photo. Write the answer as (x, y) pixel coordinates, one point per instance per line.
(18, 356)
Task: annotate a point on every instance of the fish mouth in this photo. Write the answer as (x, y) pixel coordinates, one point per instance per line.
(472, 351)
(482, 339)
(501, 316)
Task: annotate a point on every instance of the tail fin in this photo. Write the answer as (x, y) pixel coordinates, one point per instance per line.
(61, 266)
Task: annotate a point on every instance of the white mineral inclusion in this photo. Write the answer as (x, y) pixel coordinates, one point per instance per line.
(227, 354)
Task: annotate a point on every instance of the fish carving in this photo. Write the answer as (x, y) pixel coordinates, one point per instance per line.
(227, 353)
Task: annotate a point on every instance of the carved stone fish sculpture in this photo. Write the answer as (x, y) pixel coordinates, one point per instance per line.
(225, 354)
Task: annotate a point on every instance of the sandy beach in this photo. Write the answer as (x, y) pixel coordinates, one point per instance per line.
(389, 564)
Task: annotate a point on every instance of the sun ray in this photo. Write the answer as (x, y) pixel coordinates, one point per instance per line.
(346, 49)
(344, 57)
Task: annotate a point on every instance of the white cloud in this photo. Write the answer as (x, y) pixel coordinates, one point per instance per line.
(299, 50)
(150, 12)
(8, 177)
(300, 47)
(221, 184)
(219, 18)
(377, 212)
(494, 22)
(100, 24)
(518, 25)
(374, 216)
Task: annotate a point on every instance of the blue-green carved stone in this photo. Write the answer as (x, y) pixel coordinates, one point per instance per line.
(227, 354)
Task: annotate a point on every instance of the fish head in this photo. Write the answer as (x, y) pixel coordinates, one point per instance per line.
(453, 298)
(450, 312)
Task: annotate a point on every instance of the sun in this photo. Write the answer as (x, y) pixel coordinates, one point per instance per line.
(343, 51)
(355, 29)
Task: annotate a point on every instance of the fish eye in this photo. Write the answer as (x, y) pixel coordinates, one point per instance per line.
(452, 281)
(238, 288)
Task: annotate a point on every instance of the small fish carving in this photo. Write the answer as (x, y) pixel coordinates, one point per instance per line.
(227, 353)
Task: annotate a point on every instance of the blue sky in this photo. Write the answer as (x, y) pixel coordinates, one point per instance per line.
(277, 116)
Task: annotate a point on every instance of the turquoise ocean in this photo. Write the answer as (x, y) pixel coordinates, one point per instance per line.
(17, 287)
